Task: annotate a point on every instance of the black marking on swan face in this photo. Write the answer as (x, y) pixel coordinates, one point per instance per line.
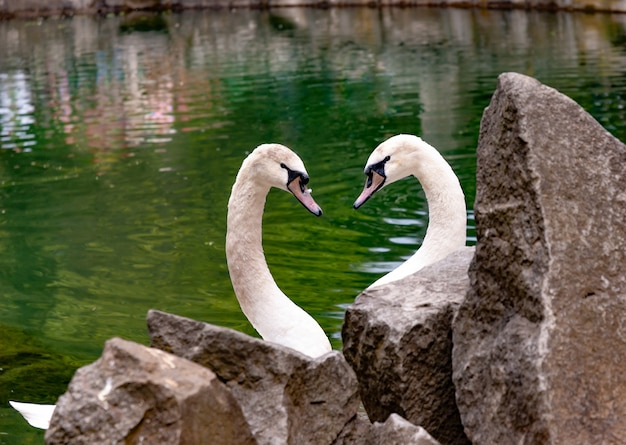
(293, 175)
(378, 168)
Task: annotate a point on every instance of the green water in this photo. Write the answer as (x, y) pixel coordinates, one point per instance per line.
(120, 138)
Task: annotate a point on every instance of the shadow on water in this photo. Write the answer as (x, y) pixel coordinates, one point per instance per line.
(143, 22)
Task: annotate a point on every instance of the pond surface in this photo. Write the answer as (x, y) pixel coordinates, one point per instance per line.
(121, 136)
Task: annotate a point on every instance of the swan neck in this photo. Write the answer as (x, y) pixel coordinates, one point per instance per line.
(275, 317)
(447, 213)
(248, 269)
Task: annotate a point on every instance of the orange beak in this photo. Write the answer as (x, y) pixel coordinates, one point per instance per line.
(303, 194)
(374, 183)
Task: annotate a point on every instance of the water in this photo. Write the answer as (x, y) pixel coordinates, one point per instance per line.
(120, 138)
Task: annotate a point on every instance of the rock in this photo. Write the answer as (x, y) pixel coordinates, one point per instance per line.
(398, 339)
(286, 397)
(540, 341)
(355, 432)
(135, 394)
(398, 431)
(394, 431)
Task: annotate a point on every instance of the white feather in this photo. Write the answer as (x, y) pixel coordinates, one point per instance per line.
(36, 415)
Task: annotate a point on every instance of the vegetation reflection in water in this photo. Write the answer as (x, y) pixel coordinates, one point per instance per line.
(121, 137)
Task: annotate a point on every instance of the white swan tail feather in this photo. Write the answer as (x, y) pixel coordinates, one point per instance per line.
(36, 415)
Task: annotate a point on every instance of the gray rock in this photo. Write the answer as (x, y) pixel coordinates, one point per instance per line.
(287, 397)
(398, 339)
(134, 394)
(355, 431)
(394, 431)
(398, 431)
(540, 341)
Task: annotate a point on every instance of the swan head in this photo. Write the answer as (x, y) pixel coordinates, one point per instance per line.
(275, 165)
(392, 160)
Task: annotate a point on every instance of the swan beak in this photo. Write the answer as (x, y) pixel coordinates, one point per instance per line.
(298, 188)
(374, 182)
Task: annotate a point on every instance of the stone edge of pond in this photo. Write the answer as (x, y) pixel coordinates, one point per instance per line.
(65, 8)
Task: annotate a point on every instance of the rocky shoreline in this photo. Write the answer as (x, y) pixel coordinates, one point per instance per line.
(55, 8)
(518, 340)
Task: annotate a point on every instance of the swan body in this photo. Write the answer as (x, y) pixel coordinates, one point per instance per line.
(407, 155)
(275, 317)
(271, 312)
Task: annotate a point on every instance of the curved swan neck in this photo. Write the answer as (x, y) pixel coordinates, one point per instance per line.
(446, 202)
(244, 247)
(447, 212)
(275, 317)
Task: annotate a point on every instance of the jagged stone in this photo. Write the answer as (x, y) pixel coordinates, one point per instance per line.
(398, 339)
(399, 431)
(540, 341)
(394, 431)
(287, 397)
(135, 394)
(354, 432)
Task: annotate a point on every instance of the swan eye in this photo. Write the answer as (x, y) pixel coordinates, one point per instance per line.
(293, 175)
(378, 168)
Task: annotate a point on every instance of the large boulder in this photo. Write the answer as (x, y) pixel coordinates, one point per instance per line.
(540, 341)
(135, 394)
(286, 397)
(398, 339)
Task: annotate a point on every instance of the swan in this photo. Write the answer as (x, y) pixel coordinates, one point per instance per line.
(405, 155)
(274, 316)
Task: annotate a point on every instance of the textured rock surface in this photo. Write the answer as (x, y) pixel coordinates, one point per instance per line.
(398, 339)
(134, 394)
(540, 341)
(355, 431)
(287, 398)
(394, 431)
(398, 431)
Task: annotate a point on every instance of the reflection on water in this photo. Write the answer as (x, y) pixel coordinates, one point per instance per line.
(120, 138)
(16, 112)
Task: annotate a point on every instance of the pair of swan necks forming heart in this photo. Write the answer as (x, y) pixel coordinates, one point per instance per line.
(271, 312)
(277, 318)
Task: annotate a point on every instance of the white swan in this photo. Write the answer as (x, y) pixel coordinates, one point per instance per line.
(275, 317)
(271, 312)
(404, 155)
